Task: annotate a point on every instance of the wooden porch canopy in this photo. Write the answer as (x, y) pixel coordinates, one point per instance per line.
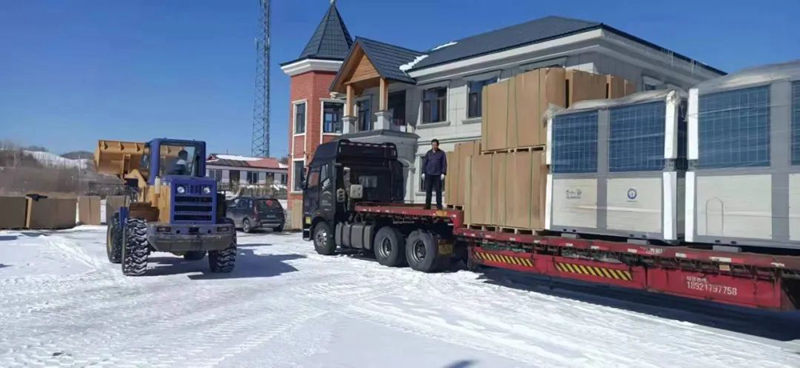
(372, 64)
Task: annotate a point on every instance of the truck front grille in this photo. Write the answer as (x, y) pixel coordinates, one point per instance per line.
(193, 206)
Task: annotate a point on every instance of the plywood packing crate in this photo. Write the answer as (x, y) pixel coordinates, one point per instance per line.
(525, 188)
(457, 175)
(506, 189)
(89, 210)
(514, 109)
(743, 186)
(617, 167)
(12, 212)
(51, 213)
(582, 86)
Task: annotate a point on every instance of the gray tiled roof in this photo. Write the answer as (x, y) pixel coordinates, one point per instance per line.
(331, 40)
(505, 38)
(387, 58)
(537, 30)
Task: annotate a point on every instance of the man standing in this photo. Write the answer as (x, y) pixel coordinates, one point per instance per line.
(434, 168)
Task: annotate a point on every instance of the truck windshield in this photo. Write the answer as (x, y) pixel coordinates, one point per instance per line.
(178, 160)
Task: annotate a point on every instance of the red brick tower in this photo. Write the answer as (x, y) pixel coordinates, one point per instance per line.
(314, 116)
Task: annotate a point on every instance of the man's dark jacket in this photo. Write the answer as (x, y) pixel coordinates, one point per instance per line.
(434, 163)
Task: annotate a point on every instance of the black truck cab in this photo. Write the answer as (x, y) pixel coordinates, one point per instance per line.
(343, 173)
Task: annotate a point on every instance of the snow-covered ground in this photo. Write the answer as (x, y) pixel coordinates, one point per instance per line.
(62, 303)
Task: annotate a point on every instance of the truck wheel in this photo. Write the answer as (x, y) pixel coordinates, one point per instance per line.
(194, 255)
(389, 247)
(422, 252)
(223, 261)
(114, 240)
(135, 249)
(323, 239)
(246, 227)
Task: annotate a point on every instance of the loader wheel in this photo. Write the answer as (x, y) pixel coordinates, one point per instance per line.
(194, 255)
(422, 252)
(114, 240)
(135, 249)
(223, 261)
(389, 247)
(323, 239)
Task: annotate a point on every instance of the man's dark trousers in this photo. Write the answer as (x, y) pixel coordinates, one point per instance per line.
(433, 182)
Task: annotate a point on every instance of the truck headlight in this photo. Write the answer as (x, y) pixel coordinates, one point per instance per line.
(180, 189)
(206, 190)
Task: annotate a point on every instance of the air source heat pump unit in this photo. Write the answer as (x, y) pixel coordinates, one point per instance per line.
(743, 182)
(617, 167)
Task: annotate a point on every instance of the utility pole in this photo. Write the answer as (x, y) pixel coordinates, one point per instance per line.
(259, 144)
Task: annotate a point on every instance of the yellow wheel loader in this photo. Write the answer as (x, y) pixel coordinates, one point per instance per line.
(172, 206)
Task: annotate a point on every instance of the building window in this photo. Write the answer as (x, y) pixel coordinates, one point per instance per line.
(636, 142)
(575, 143)
(434, 105)
(300, 118)
(733, 128)
(796, 123)
(475, 92)
(233, 176)
(297, 175)
(364, 115)
(252, 177)
(332, 117)
(216, 174)
(397, 105)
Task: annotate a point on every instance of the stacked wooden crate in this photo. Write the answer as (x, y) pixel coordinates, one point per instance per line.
(501, 180)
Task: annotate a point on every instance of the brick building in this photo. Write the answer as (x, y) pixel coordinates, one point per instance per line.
(315, 117)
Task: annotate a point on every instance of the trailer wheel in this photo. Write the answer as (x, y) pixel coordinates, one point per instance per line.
(323, 239)
(389, 247)
(422, 252)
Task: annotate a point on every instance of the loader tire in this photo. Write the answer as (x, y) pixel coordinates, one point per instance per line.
(223, 261)
(422, 252)
(323, 239)
(114, 240)
(135, 249)
(389, 247)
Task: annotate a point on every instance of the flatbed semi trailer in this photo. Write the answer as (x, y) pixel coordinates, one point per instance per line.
(351, 201)
(738, 278)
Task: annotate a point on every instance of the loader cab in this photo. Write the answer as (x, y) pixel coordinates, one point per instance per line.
(343, 173)
(173, 157)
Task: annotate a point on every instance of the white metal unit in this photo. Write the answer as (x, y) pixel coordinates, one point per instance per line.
(617, 167)
(744, 151)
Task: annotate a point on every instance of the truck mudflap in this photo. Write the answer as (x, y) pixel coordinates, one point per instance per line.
(757, 289)
(186, 238)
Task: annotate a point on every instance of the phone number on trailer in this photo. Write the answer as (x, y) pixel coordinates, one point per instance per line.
(702, 284)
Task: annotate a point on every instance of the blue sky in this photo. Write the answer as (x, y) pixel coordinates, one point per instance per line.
(72, 72)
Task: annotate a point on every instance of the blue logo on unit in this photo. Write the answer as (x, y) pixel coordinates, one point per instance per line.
(632, 194)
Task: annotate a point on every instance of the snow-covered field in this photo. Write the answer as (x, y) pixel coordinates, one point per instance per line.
(63, 304)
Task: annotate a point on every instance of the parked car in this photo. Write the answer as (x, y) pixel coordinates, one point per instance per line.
(252, 213)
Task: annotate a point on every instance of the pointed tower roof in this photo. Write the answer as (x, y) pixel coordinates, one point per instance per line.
(331, 40)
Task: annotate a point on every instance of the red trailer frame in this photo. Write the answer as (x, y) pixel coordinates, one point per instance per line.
(744, 279)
